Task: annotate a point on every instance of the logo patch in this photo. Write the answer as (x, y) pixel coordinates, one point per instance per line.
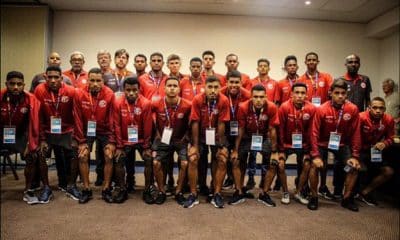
(180, 115)
(102, 103)
(137, 111)
(64, 99)
(363, 85)
(24, 110)
(269, 86)
(321, 84)
(306, 116)
(346, 116)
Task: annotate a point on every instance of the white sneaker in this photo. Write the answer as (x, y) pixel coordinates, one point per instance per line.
(285, 198)
(301, 199)
(30, 198)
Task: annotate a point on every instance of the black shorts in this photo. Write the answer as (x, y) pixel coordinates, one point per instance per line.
(61, 140)
(245, 148)
(17, 147)
(101, 141)
(164, 151)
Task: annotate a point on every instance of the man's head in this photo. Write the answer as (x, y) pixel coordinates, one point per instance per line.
(352, 64)
(174, 63)
(263, 66)
(172, 87)
(338, 91)
(121, 58)
(140, 63)
(291, 65)
(232, 62)
(15, 83)
(388, 86)
(156, 61)
(54, 78)
(131, 88)
(258, 96)
(311, 61)
(299, 93)
(95, 80)
(234, 79)
(54, 59)
(195, 67)
(77, 60)
(208, 59)
(213, 86)
(377, 107)
(104, 59)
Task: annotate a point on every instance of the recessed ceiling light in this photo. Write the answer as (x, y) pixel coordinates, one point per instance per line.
(307, 2)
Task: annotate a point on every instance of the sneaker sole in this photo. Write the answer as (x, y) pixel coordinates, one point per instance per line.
(323, 195)
(286, 203)
(31, 202)
(366, 202)
(300, 201)
(237, 202)
(266, 204)
(215, 204)
(48, 200)
(72, 196)
(192, 205)
(227, 187)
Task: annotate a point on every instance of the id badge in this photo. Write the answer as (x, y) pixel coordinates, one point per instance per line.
(166, 135)
(155, 98)
(376, 155)
(234, 127)
(316, 101)
(55, 125)
(297, 140)
(210, 136)
(133, 135)
(9, 135)
(334, 141)
(256, 142)
(91, 129)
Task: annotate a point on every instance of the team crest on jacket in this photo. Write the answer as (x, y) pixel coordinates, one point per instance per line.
(269, 86)
(102, 103)
(180, 115)
(263, 117)
(215, 111)
(306, 116)
(64, 99)
(321, 84)
(137, 111)
(84, 81)
(24, 110)
(346, 116)
(363, 85)
(202, 90)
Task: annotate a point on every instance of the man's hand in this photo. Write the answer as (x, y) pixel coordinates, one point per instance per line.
(83, 150)
(282, 156)
(119, 153)
(275, 156)
(193, 152)
(318, 162)
(354, 163)
(43, 148)
(380, 146)
(306, 157)
(234, 155)
(222, 153)
(147, 153)
(109, 150)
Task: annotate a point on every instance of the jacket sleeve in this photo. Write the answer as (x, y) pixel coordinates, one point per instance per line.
(356, 135)
(315, 133)
(282, 125)
(389, 136)
(117, 122)
(77, 113)
(34, 124)
(148, 126)
(42, 116)
(110, 115)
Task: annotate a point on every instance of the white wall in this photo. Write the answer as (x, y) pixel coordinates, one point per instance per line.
(189, 35)
(389, 59)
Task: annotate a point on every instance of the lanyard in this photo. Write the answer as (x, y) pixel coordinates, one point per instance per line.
(93, 106)
(193, 86)
(339, 118)
(174, 111)
(314, 83)
(292, 81)
(11, 114)
(156, 80)
(211, 111)
(119, 81)
(256, 118)
(296, 119)
(131, 118)
(56, 104)
(233, 107)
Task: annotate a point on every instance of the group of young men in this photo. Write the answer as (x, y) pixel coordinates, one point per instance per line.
(230, 116)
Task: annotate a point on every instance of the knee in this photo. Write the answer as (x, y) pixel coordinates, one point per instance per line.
(387, 172)
(184, 165)
(306, 165)
(281, 166)
(221, 162)
(156, 164)
(235, 163)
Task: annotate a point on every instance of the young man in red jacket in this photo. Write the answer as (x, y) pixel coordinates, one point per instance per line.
(19, 124)
(57, 126)
(133, 125)
(172, 135)
(377, 133)
(209, 115)
(192, 85)
(336, 129)
(93, 122)
(295, 119)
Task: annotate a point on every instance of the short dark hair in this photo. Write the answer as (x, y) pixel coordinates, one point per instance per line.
(231, 55)
(173, 57)
(380, 99)
(311, 53)
(208, 52)
(14, 74)
(120, 52)
(233, 73)
(132, 81)
(263, 60)
(299, 84)
(290, 57)
(211, 79)
(54, 68)
(171, 78)
(258, 87)
(142, 56)
(95, 70)
(196, 59)
(157, 54)
(339, 83)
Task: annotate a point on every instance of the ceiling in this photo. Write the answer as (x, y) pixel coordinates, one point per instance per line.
(359, 11)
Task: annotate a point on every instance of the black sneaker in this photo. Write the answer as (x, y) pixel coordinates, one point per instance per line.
(62, 188)
(349, 204)
(265, 199)
(130, 188)
(86, 196)
(45, 195)
(160, 199)
(247, 194)
(147, 197)
(191, 201)
(228, 184)
(179, 198)
(217, 201)
(313, 203)
(35, 186)
(30, 198)
(368, 199)
(325, 193)
(169, 189)
(121, 196)
(236, 198)
(250, 183)
(107, 195)
(73, 192)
